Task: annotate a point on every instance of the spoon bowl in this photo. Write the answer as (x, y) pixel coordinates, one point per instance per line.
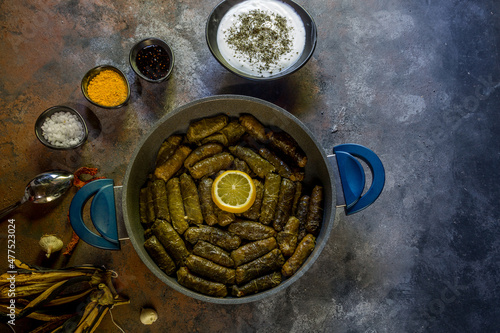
(45, 187)
(49, 186)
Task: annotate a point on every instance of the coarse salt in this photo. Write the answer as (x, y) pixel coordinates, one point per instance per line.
(63, 129)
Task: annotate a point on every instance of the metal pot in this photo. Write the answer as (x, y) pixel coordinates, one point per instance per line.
(320, 169)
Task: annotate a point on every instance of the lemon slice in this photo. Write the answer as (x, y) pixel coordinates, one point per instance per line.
(233, 191)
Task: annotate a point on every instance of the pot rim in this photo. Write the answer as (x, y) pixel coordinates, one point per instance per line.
(328, 219)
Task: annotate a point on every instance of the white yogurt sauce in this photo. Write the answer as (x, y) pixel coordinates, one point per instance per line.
(249, 46)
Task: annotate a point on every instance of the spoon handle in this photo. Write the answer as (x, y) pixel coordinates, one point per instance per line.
(4, 212)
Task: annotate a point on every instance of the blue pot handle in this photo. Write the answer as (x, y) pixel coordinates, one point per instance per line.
(352, 175)
(102, 214)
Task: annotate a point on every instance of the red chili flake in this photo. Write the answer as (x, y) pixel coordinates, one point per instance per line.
(78, 182)
(72, 244)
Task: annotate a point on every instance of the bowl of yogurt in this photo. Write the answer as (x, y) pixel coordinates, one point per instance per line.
(261, 39)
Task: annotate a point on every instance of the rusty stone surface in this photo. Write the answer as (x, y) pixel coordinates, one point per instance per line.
(416, 82)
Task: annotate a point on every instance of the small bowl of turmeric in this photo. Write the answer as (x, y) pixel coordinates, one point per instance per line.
(106, 86)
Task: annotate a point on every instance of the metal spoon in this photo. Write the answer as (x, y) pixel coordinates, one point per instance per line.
(45, 187)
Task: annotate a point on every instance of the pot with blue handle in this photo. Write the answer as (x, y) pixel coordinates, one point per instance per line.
(115, 209)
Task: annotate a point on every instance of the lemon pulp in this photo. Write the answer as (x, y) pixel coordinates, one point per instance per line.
(233, 191)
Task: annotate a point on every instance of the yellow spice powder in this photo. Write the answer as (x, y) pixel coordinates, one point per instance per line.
(107, 88)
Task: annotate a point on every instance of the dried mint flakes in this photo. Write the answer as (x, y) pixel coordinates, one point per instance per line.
(261, 38)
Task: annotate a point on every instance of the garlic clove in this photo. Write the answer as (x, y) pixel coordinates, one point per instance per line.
(50, 244)
(148, 316)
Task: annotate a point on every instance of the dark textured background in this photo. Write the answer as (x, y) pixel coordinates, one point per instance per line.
(416, 81)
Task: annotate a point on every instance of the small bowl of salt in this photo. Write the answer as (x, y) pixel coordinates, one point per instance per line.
(61, 127)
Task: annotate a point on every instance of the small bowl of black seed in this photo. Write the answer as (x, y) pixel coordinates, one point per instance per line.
(261, 40)
(152, 60)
